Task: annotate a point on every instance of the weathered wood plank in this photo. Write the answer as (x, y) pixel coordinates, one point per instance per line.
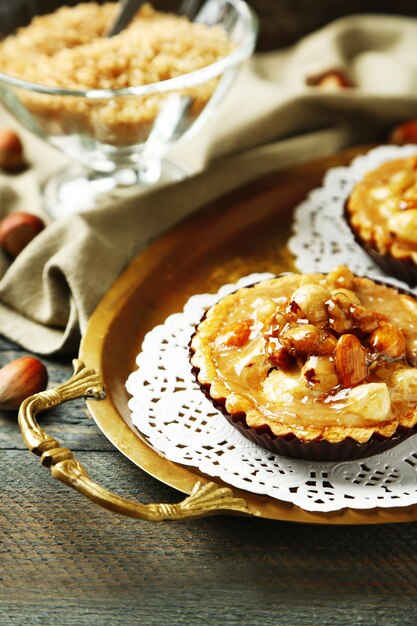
(64, 561)
(5, 344)
(72, 425)
(204, 607)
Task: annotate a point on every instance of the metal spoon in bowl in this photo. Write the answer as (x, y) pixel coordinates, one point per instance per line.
(128, 8)
(126, 11)
(176, 107)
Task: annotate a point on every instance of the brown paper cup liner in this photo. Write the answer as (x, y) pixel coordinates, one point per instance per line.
(346, 450)
(404, 270)
(319, 450)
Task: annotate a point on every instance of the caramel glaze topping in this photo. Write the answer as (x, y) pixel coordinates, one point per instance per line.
(319, 355)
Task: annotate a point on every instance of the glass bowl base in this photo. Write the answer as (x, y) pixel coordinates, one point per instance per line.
(76, 189)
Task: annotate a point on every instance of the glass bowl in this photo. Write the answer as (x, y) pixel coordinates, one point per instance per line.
(118, 136)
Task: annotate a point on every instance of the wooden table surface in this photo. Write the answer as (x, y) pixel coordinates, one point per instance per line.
(64, 561)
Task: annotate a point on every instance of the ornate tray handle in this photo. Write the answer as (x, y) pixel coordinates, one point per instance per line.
(207, 499)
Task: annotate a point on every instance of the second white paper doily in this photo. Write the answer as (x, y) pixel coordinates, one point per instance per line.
(321, 237)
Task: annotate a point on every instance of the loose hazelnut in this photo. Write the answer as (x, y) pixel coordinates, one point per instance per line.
(11, 151)
(19, 379)
(17, 230)
(404, 133)
(330, 80)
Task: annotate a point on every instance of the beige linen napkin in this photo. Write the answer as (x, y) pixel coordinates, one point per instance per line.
(269, 120)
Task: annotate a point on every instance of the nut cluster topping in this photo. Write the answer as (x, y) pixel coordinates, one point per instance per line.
(329, 334)
(324, 331)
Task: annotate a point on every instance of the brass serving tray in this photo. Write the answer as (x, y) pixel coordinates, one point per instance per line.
(245, 231)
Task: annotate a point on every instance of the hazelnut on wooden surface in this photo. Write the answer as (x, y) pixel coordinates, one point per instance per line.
(11, 151)
(17, 230)
(19, 379)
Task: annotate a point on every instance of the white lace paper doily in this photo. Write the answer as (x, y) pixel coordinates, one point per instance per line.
(169, 409)
(321, 237)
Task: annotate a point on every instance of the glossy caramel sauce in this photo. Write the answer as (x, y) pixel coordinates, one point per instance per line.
(307, 394)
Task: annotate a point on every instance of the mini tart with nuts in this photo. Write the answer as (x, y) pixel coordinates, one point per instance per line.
(382, 213)
(320, 357)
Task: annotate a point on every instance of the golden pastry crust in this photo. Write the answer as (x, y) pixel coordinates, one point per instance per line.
(319, 357)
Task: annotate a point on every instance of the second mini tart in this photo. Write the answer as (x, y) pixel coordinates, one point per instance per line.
(382, 214)
(317, 366)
